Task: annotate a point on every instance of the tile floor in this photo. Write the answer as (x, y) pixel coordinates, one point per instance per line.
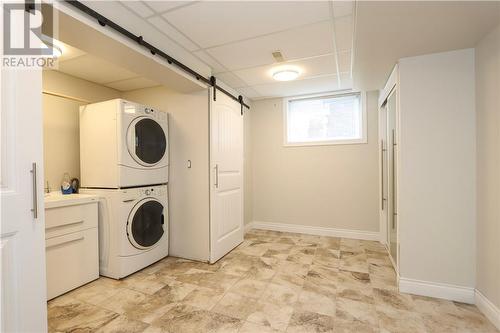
(273, 282)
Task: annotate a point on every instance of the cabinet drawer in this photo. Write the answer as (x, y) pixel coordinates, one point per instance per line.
(72, 260)
(63, 220)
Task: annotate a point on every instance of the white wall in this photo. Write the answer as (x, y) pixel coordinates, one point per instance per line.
(437, 168)
(488, 166)
(332, 186)
(61, 132)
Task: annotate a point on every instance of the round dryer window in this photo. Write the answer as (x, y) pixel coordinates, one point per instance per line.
(145, 224)
(148, 140)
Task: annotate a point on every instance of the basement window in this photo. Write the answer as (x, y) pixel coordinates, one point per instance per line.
(325, 120)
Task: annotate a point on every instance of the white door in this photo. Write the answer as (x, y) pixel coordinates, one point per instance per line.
(226, 177)
(22, 235)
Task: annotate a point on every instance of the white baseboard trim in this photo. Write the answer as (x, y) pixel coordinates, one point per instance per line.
(437, 290)
(490, 310)
(310, 230)
(248, 226)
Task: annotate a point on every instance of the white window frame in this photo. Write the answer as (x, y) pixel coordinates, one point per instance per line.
(364, 120)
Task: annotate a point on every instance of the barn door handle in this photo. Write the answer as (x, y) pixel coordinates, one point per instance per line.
(35, 191)
(216, 176)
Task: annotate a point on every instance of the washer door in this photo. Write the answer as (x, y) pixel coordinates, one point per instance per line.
(145, 224)
(146, 141)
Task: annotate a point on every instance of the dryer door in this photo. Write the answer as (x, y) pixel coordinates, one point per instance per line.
(145, 223)
(146, 141)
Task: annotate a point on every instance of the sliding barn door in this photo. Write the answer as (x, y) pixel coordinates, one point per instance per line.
(226, 176)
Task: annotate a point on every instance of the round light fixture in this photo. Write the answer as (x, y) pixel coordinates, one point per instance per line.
(286, 74)
(54, 46)
(56, 51)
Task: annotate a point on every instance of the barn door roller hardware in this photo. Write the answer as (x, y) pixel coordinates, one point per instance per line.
(103, 21)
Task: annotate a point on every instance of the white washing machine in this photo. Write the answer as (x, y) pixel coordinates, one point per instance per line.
(133, 228)
(123, 144)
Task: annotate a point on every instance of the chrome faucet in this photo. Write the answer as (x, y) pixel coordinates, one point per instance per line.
(47, 189)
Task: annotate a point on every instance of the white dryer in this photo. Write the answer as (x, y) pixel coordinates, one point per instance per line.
(133, 228)
(123, 144)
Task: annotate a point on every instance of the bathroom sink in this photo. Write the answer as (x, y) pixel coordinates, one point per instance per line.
(57, 199)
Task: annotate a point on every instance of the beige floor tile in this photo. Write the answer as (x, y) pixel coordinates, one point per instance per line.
(473, 320)
(396, 321)
(327, 257)
(96, 291)
(74, 315)
(203, 298)
(272, 282)
(322, 275)
(249, 288)
(280, 294)
(434, 305)
(249, 327)
(187, 319)
(354, 326)
(175, 291)
(310, 322)
(329, 242)
(392, 300)
(289, 279)
(351, 245)
(316, 302)
(235, 305)
(149, 309)
(122, 324)
(353, 261)
(260, 273)
(125, 299)
(271, 315)
(355, 286)
(149, 284)
(355, 311)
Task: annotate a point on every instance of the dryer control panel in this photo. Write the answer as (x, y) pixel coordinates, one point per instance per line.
(133, 194)
(138, 110)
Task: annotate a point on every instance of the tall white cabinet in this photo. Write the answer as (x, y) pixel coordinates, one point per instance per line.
(427, 173)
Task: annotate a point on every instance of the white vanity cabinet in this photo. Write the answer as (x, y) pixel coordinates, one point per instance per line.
(71, 242)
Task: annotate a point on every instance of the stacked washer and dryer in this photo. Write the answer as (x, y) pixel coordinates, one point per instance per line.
(124, 160)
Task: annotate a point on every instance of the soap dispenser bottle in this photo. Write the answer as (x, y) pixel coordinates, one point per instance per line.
(66, 184)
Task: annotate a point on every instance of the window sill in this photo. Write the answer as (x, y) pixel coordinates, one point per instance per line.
(326, 143)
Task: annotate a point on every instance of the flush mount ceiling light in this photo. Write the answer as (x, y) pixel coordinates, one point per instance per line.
(286, 74)
(53, 45)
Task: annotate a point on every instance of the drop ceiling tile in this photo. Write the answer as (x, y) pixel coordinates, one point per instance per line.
(344, 59)
(163, 6)
(249, 92)
(171, 32)
(228, 21)
(138, 7)
(342, 8)
(68, 51)
(94, 69)
(231, 80)
(344, 33)
(135, 24)
(207, 59)
(298, 87)
(311, 40)
(323, 65)
(132, 84)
